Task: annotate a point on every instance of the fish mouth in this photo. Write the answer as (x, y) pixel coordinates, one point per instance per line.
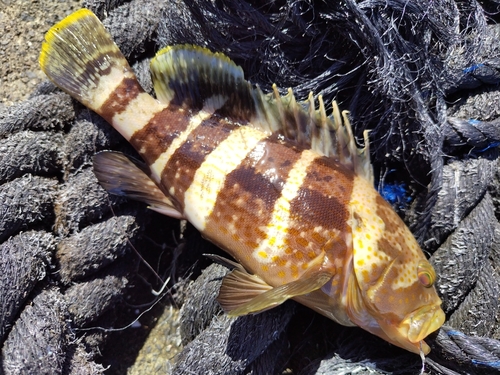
(423, 322)
(413, 329)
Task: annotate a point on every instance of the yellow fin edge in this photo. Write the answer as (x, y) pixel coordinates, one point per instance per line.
(195, 48)
(81, 58)
(63, 24)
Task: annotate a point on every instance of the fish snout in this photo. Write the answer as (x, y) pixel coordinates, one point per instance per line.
(422, 323)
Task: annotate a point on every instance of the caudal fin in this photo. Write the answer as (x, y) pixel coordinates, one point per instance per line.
(80, 57)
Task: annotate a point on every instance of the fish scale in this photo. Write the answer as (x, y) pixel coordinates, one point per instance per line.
(277, 184)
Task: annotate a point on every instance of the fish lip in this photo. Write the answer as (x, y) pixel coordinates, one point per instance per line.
(423, 321)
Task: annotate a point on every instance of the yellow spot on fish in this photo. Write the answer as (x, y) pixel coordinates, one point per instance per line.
(318, 238)
(281, 274)
(295, 271)
(262, 254)
(264, 268)
(272, 241)
(302, 242)
(252, 244)
(281, 262)
(366, 276)
(361, 262)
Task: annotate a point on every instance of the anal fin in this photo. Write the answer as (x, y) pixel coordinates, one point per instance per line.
(119, 175)
(242, 293)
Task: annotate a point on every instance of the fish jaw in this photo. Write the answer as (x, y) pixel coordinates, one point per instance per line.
(423, 322)
(407, 333)
(411, 332)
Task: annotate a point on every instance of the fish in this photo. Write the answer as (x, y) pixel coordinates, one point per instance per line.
(279, 185)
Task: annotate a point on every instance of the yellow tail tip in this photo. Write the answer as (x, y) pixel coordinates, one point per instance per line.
(81, 58)
(52, 33)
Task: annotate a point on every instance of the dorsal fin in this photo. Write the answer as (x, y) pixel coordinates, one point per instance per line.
(197, 78)
(328, 135)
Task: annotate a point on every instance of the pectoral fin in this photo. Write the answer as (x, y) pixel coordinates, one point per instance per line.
(239, 288)
(242, 293)
(121, 176)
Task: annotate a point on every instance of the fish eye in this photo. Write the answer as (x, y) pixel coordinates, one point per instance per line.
(426, 274)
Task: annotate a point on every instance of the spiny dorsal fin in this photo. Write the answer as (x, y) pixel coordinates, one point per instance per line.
(198, 78)
(119, 175)
(328, 135)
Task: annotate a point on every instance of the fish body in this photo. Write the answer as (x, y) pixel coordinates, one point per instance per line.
(279, 186)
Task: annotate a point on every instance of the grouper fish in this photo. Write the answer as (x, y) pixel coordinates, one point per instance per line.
(277, 184)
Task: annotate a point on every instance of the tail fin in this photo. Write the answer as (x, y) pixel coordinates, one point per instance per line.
(80, 57)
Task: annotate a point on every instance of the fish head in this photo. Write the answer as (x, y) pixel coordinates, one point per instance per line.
(390, 289)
